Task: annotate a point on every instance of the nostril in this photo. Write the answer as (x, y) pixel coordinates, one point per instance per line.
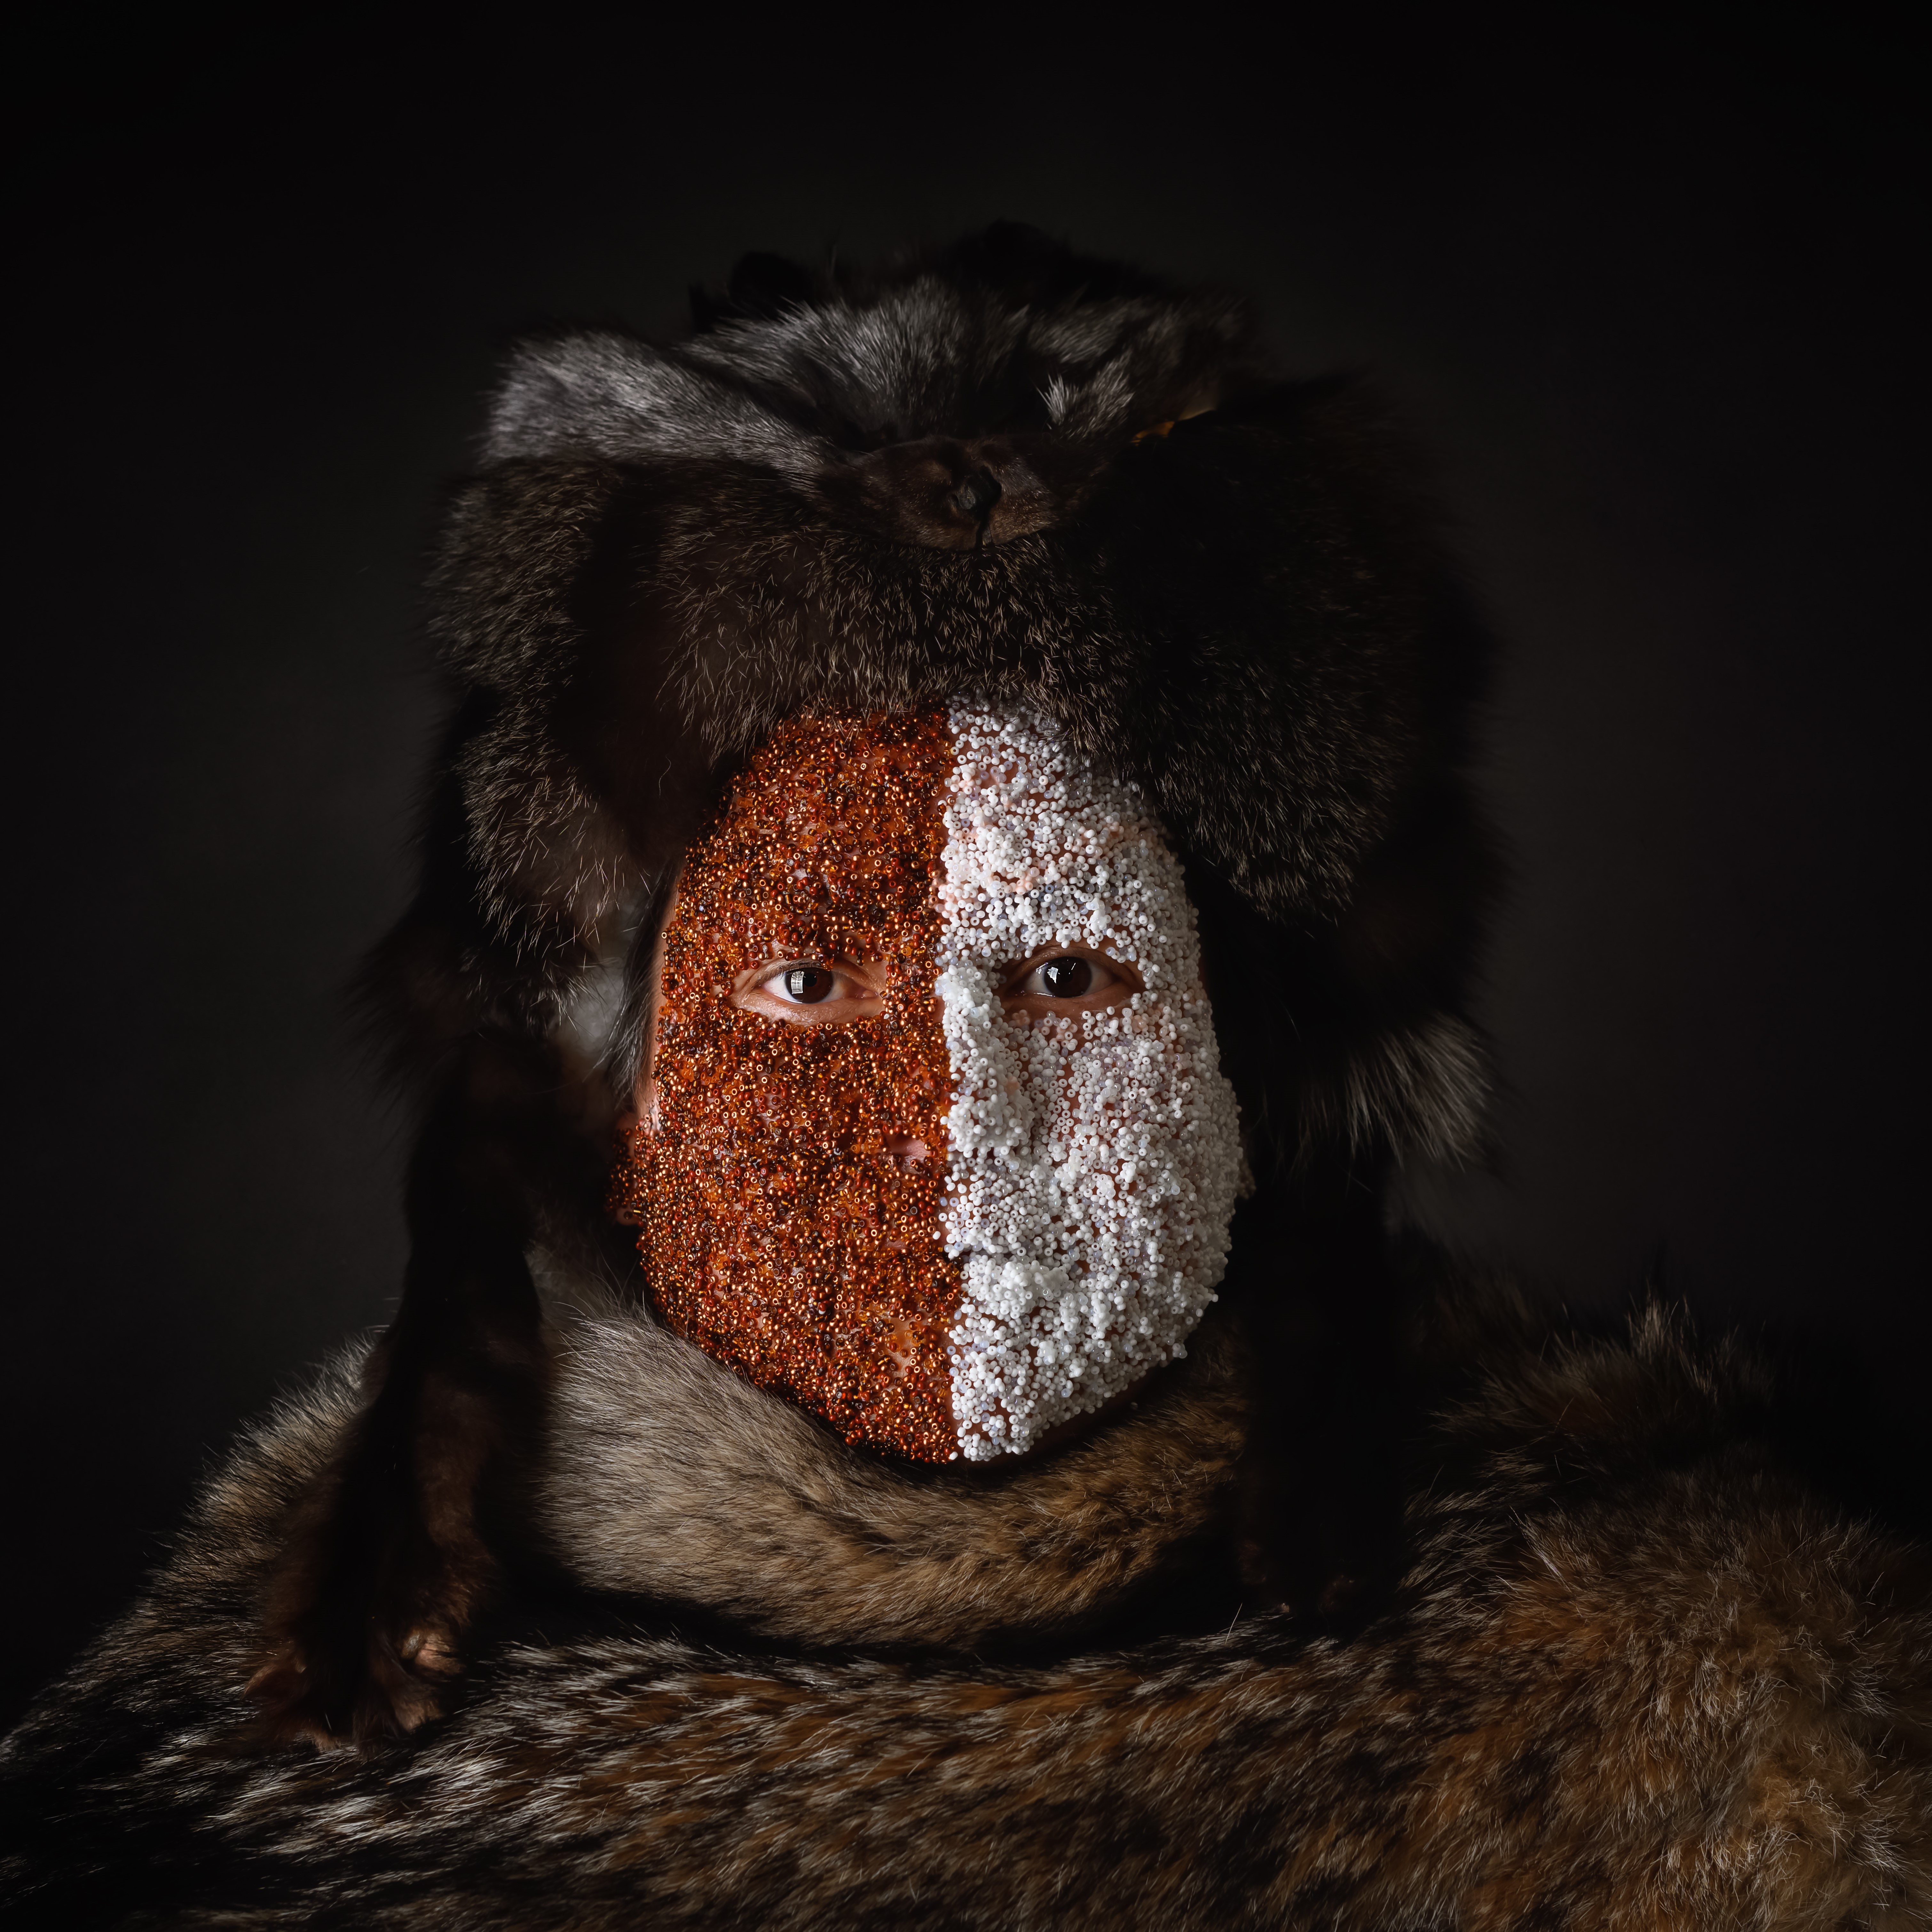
(906, 1152)
(977, 494)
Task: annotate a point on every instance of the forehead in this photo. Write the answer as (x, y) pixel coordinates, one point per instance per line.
(839, 823)
(848, 834)
(1043, 848)
(830, 838)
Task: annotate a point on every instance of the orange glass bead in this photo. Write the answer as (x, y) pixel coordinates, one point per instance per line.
(788, 1195)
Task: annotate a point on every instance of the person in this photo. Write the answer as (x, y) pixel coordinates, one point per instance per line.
(945, 922)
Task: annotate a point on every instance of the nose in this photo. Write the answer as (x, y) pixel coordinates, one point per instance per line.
(946, 494)
(977, 494)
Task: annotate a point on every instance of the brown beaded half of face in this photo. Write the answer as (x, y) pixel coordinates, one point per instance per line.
(787, 1192)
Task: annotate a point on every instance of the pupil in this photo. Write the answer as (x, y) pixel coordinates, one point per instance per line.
(1066, 979)
(810, 984)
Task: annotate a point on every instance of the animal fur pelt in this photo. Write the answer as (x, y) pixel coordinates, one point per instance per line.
(1001, 469)
(1629, 1674)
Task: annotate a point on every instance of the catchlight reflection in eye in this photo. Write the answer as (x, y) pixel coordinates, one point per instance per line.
(1064, 979)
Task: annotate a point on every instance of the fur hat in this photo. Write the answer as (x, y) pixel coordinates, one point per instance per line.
(1002, 469)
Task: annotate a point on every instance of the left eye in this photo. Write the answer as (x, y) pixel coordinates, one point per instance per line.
(1072, 978)
(1061, 978)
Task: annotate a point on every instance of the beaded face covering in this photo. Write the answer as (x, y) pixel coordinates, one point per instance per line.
(979, 1210)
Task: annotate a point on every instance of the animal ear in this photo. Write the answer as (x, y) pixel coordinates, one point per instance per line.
(762, 287)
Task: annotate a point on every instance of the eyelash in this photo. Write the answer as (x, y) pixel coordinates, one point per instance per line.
(1103, 976)
(773, 983)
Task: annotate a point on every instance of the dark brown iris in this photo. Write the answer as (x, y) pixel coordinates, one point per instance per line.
(1066, 979)
(809, 984)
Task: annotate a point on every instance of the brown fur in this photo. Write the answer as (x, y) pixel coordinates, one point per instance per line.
(711, 1493)
(1632, 1677)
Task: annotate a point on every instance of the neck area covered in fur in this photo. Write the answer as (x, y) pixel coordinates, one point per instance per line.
(668, 1476)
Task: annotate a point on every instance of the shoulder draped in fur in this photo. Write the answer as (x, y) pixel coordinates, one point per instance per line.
(1629, 1676)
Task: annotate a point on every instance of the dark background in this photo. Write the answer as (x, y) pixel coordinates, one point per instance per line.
(1640, 288)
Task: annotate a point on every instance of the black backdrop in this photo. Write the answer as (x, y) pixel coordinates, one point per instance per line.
(1641, 291)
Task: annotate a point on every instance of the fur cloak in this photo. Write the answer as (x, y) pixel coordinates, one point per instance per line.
(1629, 1676)
(1395, 1605)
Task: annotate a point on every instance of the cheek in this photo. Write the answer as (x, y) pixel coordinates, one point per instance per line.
(788, 1206)
(1094, 1225)
(1122, 1130)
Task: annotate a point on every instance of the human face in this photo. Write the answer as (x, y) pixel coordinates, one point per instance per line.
(936, 1142)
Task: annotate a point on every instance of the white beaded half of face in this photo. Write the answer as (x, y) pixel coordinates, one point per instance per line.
(1096, 1156)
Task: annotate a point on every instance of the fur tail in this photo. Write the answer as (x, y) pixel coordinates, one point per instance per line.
(392, 1550)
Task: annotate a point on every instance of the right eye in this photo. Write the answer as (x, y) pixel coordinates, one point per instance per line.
(808, 985)
(805, 991)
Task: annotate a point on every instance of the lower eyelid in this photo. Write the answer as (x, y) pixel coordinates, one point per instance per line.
(1106, 972)
(855, 994)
